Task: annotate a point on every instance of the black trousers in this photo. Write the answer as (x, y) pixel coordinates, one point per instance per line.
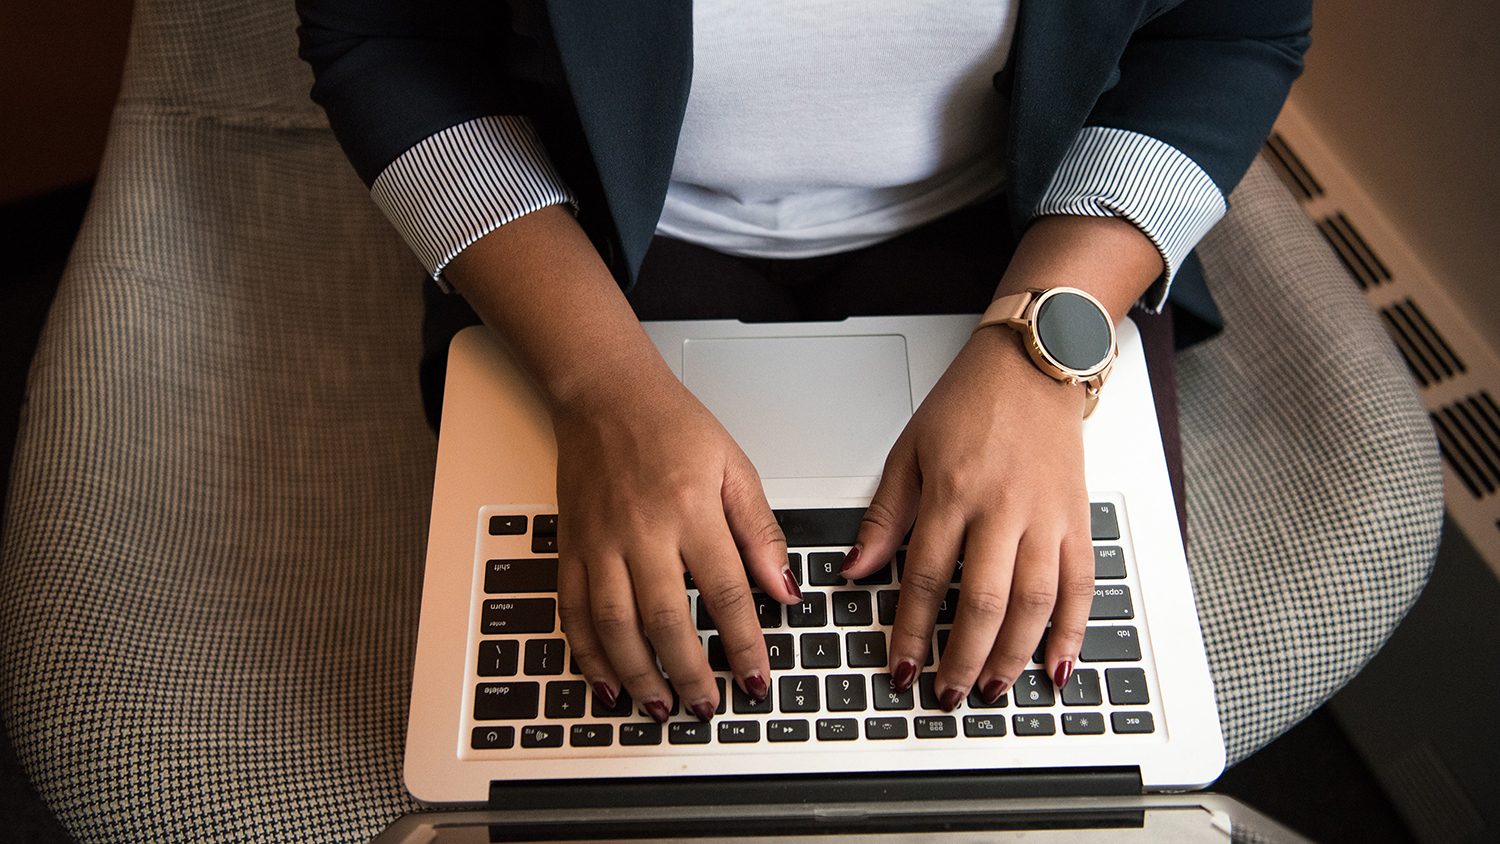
(949, 266)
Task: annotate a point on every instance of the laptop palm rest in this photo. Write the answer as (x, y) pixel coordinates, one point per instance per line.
(805, 407)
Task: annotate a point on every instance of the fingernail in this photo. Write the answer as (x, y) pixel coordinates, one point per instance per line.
(791, 583)
(951, 699)
(658, 711)
(605, 694)
(906, 674)
(755, 687)
(849, 560)
(1063, 671)
(704, 710)
(994, 689)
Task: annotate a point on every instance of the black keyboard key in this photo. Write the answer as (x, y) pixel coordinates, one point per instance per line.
(493, 738)
(716, 658)
(787, 730)
(976, 700)
(879, 577)
(1132, 722)
(689, 732)
(1109, 562)
(838, 729)
(521, 575)
(812, 612)
(794, 562)
(767, 610)
(1102, 521)
(743, 705)
(640, 735)
(499, 657)
(1082, 689)
(723, 696)
(545, 525)
(1033, 688)
(926, 691)
(739, 732)
(591, 735)
(948, 609)
(935, 726)
(821, 650)
(518, 615)
(846, 692)
(544, 656)
(799, 693)
(506, 701)
(885, 606)
(1111, 603)
(852, 609)
(1110, 644)
(780, 649)
(879, 729)
(705, 621)
(1039, 656)
(886, 697)
(820, 527)
(542, 735)
(1127, 686)
(565, 698)
(984, 726)
(1034, 724)
(823, 568)
(942, 641)
(543, 544)
(676, 706)
(621, 709)
(866, 648)
(507, 526)
(1083, 724)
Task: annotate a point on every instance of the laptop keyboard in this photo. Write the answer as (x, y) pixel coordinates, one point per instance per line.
(829, 685)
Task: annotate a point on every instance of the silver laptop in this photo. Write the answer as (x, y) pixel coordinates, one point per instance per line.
(500, 719)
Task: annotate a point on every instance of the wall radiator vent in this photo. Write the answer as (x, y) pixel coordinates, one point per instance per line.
(1457, 370)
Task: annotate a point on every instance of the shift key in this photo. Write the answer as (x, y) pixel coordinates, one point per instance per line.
(518, 615)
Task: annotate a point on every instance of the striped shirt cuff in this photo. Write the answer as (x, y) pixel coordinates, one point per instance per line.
(464, 182)
(1118, 173)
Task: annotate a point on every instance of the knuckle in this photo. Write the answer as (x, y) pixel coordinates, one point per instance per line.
(726, 604)
(1078, 586)
(984, 601)
(1034, 600)
(663, 622)
(612, 620)
(574, 617)
(924, 583)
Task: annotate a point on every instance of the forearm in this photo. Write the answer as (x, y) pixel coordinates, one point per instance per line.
(538, 282)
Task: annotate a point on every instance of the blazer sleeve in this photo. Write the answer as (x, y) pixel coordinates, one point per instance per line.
(1197, 91)
(419, 97)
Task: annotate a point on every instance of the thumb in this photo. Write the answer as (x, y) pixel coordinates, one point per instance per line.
(889, 516)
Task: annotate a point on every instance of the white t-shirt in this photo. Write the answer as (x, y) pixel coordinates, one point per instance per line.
(819, 126)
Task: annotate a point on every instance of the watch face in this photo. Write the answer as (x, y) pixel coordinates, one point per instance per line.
(1073, 331)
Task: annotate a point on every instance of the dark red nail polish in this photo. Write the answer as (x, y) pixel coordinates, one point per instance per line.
(994, 689)
(658, 711)
(1063, 671)
(849, 560)
(951, 699)
(905, 675)
(605, 694)
(704, 710)
(791, 583)
(755, 687)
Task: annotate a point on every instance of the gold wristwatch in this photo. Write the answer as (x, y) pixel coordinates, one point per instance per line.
(1068, 334)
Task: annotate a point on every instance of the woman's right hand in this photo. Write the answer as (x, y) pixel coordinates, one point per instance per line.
(649, 484)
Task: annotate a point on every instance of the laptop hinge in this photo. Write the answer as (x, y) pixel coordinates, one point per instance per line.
(795, 789)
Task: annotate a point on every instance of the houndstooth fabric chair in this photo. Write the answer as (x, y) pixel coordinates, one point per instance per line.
(214, 538)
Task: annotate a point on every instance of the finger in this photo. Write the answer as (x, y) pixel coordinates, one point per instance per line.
(668, 622)
(578, 626)
(722, 586)
(1033, 593)
(889, 516)
(760, 539)
(983, 601)
(618, 626)
(930, 557)
(1075, 598)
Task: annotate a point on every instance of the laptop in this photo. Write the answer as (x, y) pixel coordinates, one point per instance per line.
(500, 721)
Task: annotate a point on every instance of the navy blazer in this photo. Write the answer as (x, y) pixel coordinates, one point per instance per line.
(606, 82)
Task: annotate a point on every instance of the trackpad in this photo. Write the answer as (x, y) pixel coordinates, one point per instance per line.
(805, 407)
